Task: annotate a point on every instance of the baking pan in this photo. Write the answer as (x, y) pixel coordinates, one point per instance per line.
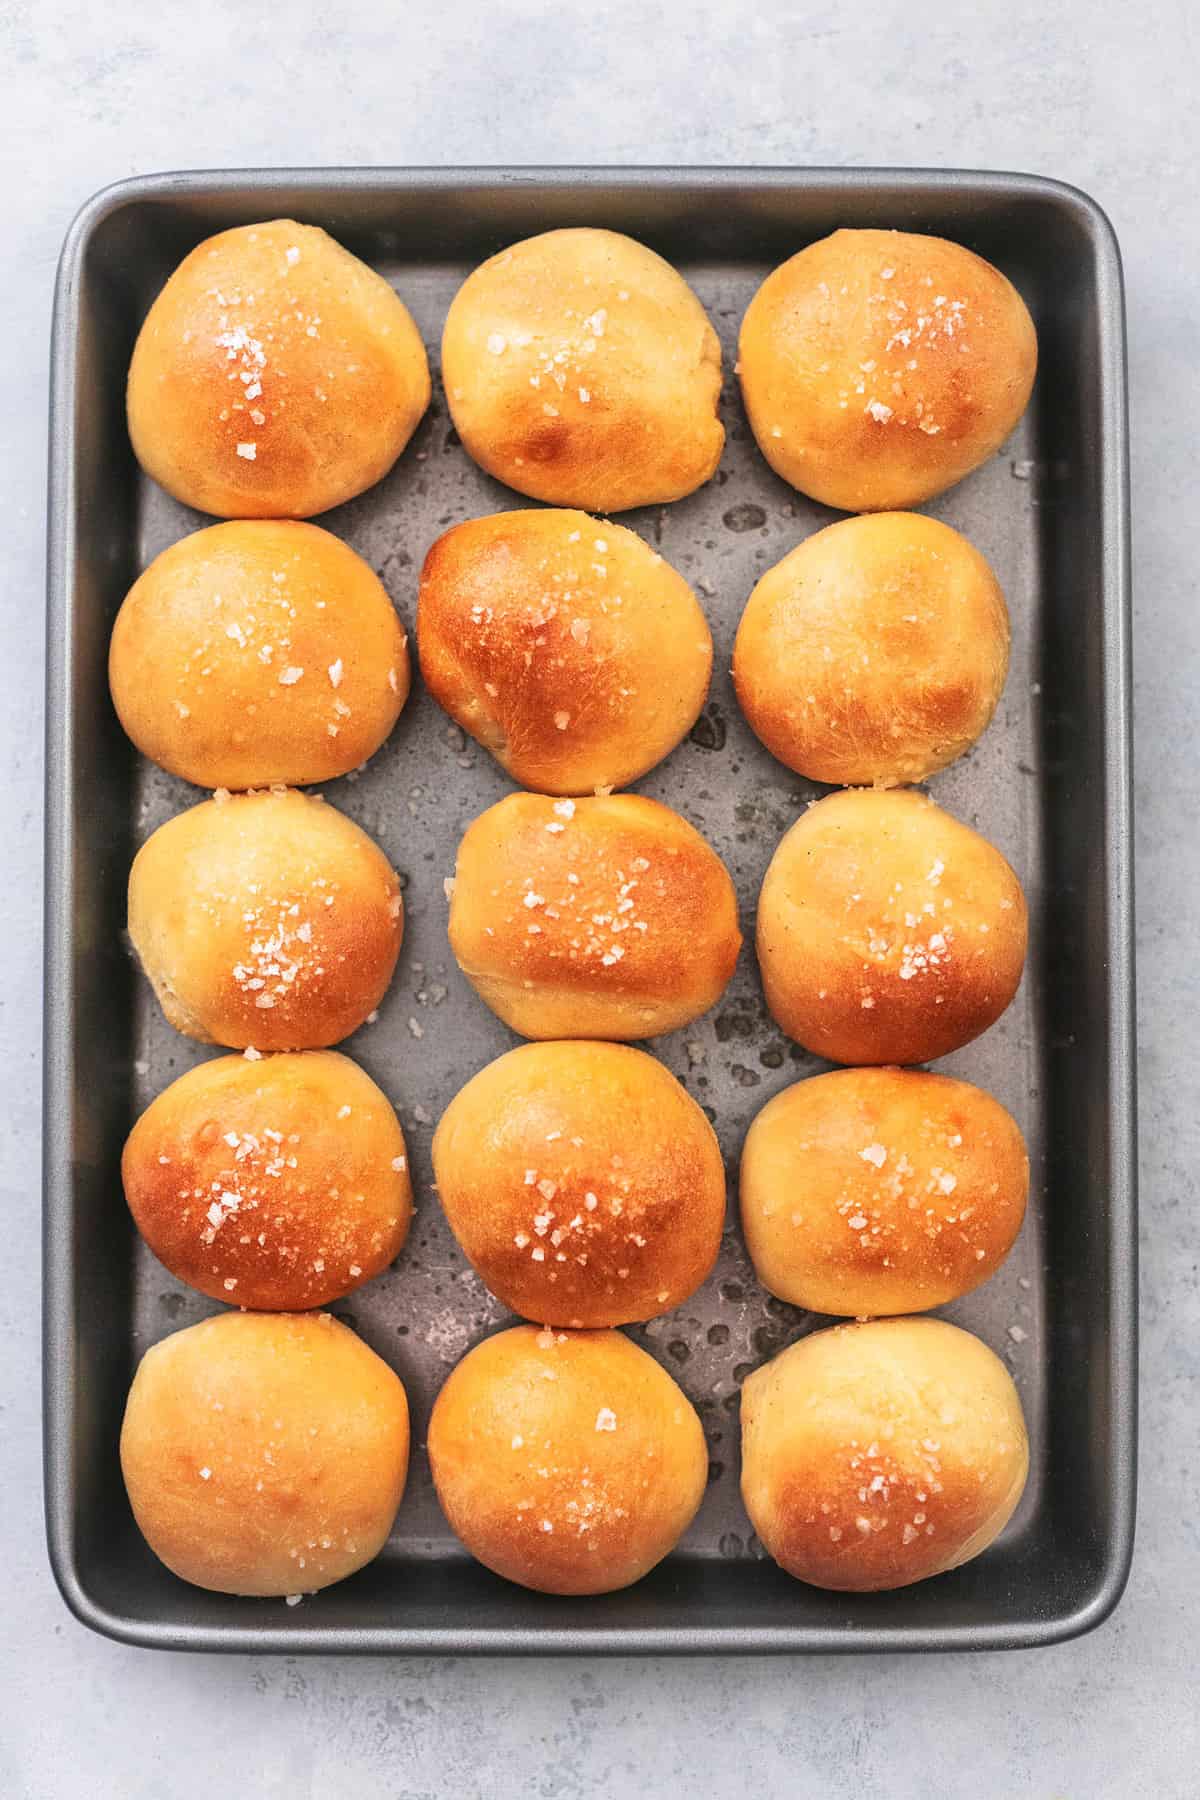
(1049, 783)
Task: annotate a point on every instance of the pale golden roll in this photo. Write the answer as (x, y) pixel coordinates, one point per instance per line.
(266, 919)
(888, 931)
(255, 652)
(584, 1185)
(278, 1184)
(602, 918)
(876, 1455)
(265, 1453)
(569, 1462)
(879, 367)
(580, 368)
(875, 652)
(566, 646)
(871, 1191)
(275, 375)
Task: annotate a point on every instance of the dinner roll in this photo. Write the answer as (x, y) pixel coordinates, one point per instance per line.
(265, 919)
(879, 367)
(569, 648)
(265, 1453)
(275, 375)
(608, 917)
(875, 652)
(583, 1184)
(278, 1184)
(256, 652)
(881, 1191)
(888, 932)
(569, 1462)
(580, 368)
(877, 1455)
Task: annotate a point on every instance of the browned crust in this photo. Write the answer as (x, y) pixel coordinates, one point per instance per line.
(280, 1184)
(875, 652)
(880, 367)
(564, 644)
(888, 931)
(297, 964)
(871, 1191)
(255, 652)
(265, 1453)
(581, 369)
(582, 1182)
(603, 917)
(567, 1462)
(275, 338)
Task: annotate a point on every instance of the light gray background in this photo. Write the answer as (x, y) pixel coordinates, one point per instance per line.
(1098, 95)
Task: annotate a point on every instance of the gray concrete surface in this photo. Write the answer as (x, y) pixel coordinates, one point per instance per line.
(1099, 96)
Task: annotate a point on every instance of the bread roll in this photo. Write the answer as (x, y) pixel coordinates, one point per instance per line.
(265, 919)
(607, 918)
(567, 1462)
(265, 1453)
(888, 932)
(256, 652)
(275, 375)
(881, 1191)
(880, 367)
(584, 1185)
(580, 368)
(279, 1184)
(568, 647)
(875, 652)
(877, 1455)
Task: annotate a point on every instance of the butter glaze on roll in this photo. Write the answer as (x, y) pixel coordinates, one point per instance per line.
(278, 1184)
(267, 920)
(871, 1191)
(584, 1185)
(880, 367)
(888, 932)
(265, 1453)
(879, 1454)
(566, 646)
(568, 1462)
(607, 918)
(275, 375)
(581, 369)
(256, 652)
(874, 653)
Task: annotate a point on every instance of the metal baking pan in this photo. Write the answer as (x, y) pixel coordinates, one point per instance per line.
(1049, 783)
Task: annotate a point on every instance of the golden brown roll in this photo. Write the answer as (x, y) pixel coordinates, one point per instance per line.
(265, 919)
(256, 652)
(278, 1184)
(569, 1462)
(568, 647)
(877, 1455)
(580, 368)
(583, 1183)
(879, 367)
(265, 1453)
(275, 375)
(608, 917)
(888, 932)
(881, 1191)
(875, 652)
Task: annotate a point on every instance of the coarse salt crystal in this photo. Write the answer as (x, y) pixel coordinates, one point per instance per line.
(335, 673)
(497, 343)
(874, 1153)
(606, 1419)
(247, 452)
(289, 677)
